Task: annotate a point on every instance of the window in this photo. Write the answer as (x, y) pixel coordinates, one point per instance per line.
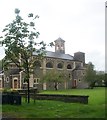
(69, 75)
(37, 64)
(49, 65)
(69, 66)
(79, 80)
(60, 65)
(57, 47)
(62, 48)
(25, 85)
(7, 79)
(36, 80)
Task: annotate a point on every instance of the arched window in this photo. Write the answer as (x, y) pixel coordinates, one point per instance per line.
(37, 64)
(57, 47)
(69, 66)
(60, 65)
(49, 65)
(62, 47)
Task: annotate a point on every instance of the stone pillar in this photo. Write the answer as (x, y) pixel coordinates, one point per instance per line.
(20, 74)
(65, 84)
(64, 69)
(44, 72)
(74, 64)
(31, 80)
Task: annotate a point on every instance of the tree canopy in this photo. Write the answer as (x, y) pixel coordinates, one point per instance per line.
(105, 80)
(100, 78)
(90, 75)
(20, 42)
(55, 77)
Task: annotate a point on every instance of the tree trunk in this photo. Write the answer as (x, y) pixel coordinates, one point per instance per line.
(55, 86)
(28, 92)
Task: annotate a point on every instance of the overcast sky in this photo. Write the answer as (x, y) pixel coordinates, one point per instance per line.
(81, 23)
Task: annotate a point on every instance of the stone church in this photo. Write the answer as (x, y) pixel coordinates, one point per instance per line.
(72, 66)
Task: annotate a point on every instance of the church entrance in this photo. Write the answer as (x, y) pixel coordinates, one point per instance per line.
(74, 83)
(15, 83)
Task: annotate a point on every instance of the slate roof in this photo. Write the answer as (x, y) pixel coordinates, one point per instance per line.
(14, 71)
(57, 55)
(59, 39)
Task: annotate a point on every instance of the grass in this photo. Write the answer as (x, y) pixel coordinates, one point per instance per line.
(56, 109)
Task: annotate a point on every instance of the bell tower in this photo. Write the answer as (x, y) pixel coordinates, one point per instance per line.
(60, 46)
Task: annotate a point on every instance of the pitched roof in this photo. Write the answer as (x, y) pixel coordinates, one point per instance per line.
(57, 55)
(14, 71)
(59, 39)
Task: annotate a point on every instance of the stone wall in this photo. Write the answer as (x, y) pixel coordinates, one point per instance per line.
(64, 98)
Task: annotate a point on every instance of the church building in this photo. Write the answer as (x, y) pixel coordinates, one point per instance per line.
(72, 66)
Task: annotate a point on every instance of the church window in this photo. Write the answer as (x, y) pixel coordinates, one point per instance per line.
(62, 47)
(60, 65)
(49, 65)
(79, 80)
(69, 66)
(69, 75)
(7, 79)
(57, 47)
(36, 80)
(37, 64)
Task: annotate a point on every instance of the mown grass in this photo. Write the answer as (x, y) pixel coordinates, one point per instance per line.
(96, 95)
(56, 109)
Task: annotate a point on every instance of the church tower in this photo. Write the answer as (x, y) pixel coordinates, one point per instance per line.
(80, 56)
(60, 46)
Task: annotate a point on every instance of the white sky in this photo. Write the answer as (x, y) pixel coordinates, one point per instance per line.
(81, 23)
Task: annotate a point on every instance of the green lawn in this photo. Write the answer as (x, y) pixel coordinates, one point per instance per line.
(56, 109)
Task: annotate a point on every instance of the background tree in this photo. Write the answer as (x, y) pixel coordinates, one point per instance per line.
(90, 75)
(55, 78)
(105, 80)
(100, 79)
(19, 41)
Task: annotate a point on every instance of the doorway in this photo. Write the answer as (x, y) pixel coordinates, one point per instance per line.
(15, 83)
(75, 83)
